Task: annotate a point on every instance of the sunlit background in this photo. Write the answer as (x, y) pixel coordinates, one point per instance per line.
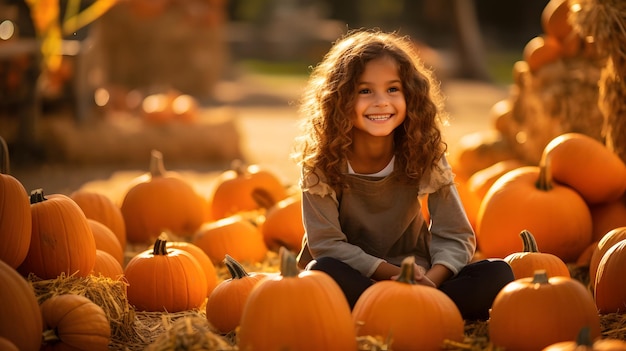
(97, 84)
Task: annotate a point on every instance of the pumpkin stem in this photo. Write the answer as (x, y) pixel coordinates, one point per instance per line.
(529, 242)
(36, 196)
(288, 265)
(4, 157)
(540, 277)
(407, 273)
(159, 247)
(238, 166)
(584, 337)
(545, 176)
(50, 336)
(235, 268)
(157, 169)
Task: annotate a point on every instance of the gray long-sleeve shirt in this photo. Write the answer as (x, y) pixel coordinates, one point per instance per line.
(380, 218)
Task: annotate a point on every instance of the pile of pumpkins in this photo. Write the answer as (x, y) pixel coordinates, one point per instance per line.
(186, 237)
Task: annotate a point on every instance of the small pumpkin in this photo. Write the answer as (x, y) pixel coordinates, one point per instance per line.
(15, 215)
(20, 320)
(279, 302)
(554, 19)
(224, 306)
(62, 241)
(161, 279)
(283, 224)
(203, 259)
(584, 342)
(534, 312)
(163, 202)
(245, 188)
(526, 198)
(411, 315)
(611, 238)
(530, 259)
(107, 266)
(74, 322)
(100, 207)
(610, 286)
(541, 50)
(106, 240)
(234, 236)
(587, 165)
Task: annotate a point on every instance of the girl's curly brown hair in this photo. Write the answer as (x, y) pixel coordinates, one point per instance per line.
(328, 104)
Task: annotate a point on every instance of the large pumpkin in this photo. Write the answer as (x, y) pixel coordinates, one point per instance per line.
(20, 320)
(610, 285)
(103, 209)
(161, 279)
(527, 199)
(15, 215)
(163, 202)
(203, 259)
(411, 315)
(234, 236)
(224, 306)
(526, 262)
(304, 311)
(245, 188)
(532, 313)
(73, 322)
(586, 165)
(283, 224)
(62, 241)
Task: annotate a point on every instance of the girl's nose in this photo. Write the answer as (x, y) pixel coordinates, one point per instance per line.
(381, 101)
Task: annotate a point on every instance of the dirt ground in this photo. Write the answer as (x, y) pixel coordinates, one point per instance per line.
(257, 122)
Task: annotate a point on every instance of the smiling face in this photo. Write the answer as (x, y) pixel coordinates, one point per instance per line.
(380, 105)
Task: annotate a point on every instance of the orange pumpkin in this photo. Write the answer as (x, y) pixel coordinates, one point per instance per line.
(101, 208)
(106, 240)
(588, 166)
(205, 261)
(611, 238)
(73, 322)
(15, 215)
(163, 202)
(607, 216)
(527, 199)
(583, 342)
(554, 19)
(107, 266)
(62, 241)
(234, 236)
(540, 51)
(411, 315)
(165, 280)
(224, 306)
(532, 313)
(7, 345)
(278, 303)
(610, 285)
(245, 188)
(20, 320)
(525, 263)
(283, 224)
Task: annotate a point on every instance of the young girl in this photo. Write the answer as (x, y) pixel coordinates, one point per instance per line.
(371, 149)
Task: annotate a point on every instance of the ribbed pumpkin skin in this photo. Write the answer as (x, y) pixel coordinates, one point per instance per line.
(15, 221)
(171, 282)
(413, 316)
(7, 345)
(559, 218)
(61, 242)
(76, 323)
(283, 225)
(204, 261)
(304, 311)
(101, 208)
(18, 300)
(526, 262)
(610, 285)
(532, 313)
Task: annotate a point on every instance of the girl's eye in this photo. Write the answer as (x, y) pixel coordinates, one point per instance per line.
(394, 89)
(364, 91)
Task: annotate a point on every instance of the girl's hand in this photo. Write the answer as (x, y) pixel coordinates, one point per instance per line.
(421, 277)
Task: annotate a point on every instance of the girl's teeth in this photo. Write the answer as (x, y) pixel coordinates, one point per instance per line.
(378, 117)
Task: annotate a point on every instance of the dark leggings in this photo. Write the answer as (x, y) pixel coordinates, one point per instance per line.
(472, 290)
